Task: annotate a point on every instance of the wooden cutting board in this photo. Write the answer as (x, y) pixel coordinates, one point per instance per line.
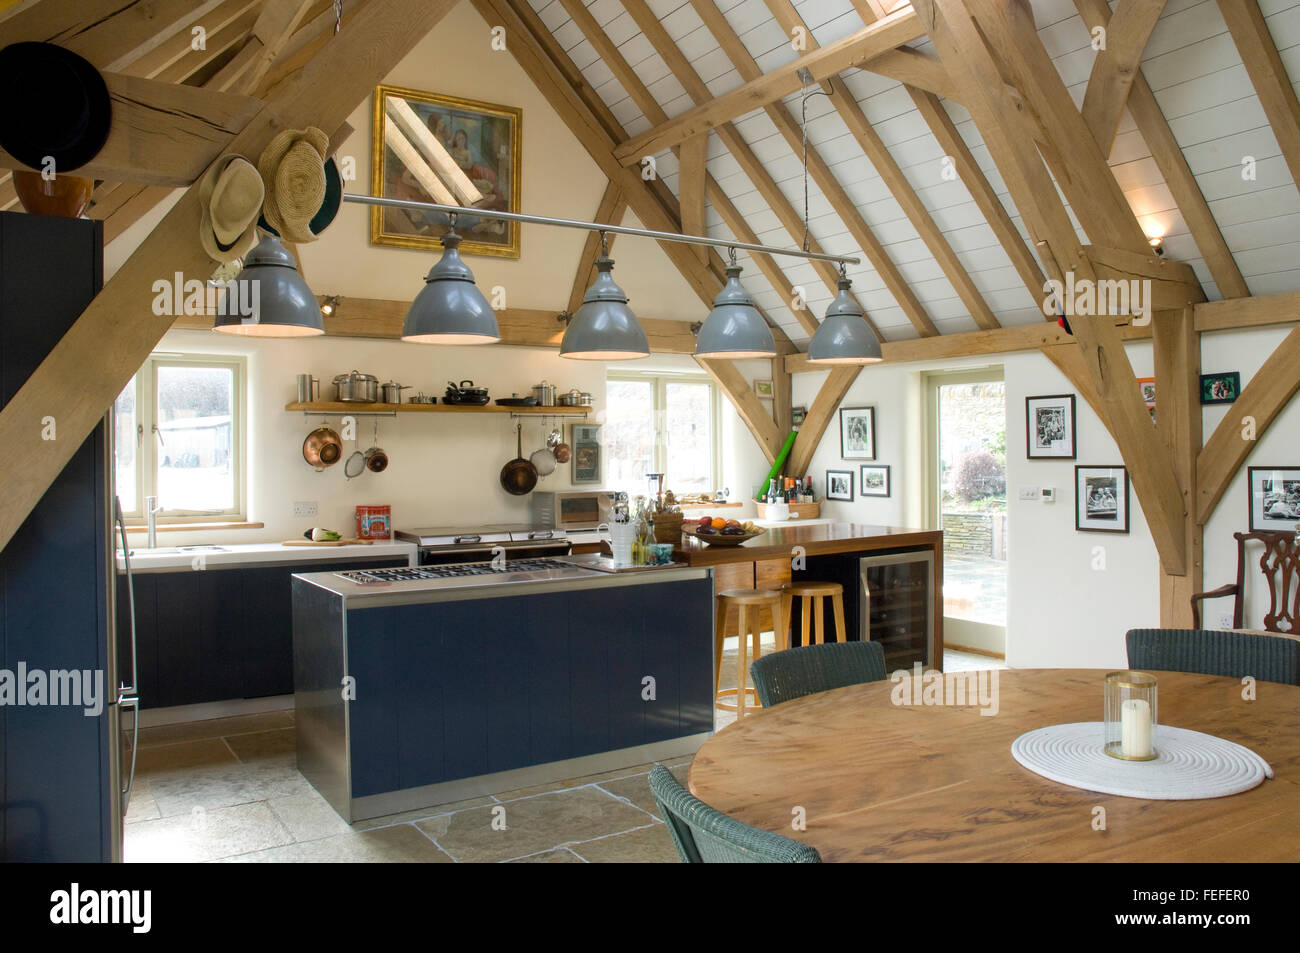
(339, 542)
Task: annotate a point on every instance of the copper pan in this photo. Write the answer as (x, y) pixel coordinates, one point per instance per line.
(322, 448)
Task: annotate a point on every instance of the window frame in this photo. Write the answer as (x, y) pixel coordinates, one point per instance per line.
(147, 455)
(659, 381)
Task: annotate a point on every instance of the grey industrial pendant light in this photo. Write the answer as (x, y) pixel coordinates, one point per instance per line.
(282, 304)
(449, 308)
(604, 327)
(844, 336)
(734, 328)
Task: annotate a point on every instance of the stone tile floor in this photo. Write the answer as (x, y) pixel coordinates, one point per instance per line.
(975, 588)
(227, 789)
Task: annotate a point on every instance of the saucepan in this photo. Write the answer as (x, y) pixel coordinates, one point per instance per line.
(519, 476)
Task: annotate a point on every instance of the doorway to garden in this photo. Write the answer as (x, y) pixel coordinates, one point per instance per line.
(966, 413)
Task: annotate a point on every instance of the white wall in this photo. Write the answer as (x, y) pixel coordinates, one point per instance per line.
(1061, 610)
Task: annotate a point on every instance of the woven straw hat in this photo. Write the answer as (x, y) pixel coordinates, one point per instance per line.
(293, 170)
(231, 198)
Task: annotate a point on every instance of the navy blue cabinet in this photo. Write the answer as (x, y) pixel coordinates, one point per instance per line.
(217, 634)
(450, 690)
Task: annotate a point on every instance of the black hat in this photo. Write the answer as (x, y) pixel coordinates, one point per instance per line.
(58, 106)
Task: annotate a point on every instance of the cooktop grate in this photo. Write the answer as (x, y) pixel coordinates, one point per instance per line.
(411, 573)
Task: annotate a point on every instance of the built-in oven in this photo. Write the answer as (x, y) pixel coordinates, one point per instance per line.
(443, 546)
(571, 510)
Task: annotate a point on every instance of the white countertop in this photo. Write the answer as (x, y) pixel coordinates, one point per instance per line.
(244, 554)
(768, 524)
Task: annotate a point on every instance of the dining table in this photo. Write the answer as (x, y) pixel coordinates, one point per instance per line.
(872, 772)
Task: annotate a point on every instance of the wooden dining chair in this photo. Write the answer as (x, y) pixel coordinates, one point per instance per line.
(704, 835)
(1280, 564)
(1270, 658)
(784, 676)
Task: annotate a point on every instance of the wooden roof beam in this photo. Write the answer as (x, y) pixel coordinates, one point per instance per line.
(1116, 65)
(855, 50)
(178, 47)
(1173, 166)
(116, 332)
(272, 31)
(888, 169)
(844, 206)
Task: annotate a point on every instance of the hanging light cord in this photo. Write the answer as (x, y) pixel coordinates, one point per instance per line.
(806, 76)
(338, 16)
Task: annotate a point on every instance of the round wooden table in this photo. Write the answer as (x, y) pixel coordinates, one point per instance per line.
(880, 781)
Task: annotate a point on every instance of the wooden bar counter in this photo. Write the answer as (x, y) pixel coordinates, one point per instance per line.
(904, 568)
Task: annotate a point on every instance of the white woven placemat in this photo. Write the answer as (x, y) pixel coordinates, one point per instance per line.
(1188, 764)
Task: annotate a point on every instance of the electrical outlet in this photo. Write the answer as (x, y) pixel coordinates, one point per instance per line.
(1225, 620)
(1029, 493)
(304, 509)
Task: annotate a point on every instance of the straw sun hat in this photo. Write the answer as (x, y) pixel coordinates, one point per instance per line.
(293, 171)
(231, 198)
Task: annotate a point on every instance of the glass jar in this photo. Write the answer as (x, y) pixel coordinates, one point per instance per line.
(1130, 716)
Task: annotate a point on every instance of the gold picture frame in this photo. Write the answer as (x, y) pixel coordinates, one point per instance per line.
(451, 151)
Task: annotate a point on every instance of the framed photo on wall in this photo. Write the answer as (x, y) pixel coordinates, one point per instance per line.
(1274, 498)
(1049, 427)
(449, 151)
(1101, 499)
(873, 480)
(858, 433)
(839, 485)
(585, 443)
(1220, 388)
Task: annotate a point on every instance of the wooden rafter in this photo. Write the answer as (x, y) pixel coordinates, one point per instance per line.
(731, 138)
(1261, 400)
(1267, 74)
(610, 211)
(889, 171)
(748, 406)
(274, 27)
(820, 413)
(855, 50)
(1116, 66)
(109, 33)
(176, 48)
(692, 188)
(821, 173)
(116, 332)
(1173, 166)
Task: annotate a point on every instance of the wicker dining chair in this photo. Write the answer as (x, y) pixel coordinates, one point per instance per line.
(1271, 658)
(793, 673)
(707, 836)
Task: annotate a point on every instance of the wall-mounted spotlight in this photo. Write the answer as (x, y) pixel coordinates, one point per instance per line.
(330, 305)
(1157, 244)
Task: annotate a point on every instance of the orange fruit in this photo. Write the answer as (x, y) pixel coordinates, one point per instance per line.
(719, 522)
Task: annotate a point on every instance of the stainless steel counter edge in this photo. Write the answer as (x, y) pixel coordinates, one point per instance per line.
(357, 596)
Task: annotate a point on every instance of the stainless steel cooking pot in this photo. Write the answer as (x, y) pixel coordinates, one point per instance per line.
(356, 388)
(392, 392)
(575, 398)
(545, 394)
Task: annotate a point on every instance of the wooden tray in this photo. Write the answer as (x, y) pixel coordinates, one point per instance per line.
(803, 511)
(338, 542)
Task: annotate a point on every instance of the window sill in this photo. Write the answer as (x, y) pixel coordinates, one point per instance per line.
(194, 527)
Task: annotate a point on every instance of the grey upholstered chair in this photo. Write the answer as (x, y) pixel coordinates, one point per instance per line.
(793, 673)
(1270, 658)
(707, 836)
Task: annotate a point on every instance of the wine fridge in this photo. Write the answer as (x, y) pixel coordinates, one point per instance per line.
(896, 607)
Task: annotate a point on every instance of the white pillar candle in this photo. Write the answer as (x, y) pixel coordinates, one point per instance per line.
(1135, 728)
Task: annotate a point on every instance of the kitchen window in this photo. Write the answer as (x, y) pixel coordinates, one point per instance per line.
(660, 423)
(179, 436)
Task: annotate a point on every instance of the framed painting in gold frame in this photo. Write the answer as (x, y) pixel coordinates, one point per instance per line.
(431, 148)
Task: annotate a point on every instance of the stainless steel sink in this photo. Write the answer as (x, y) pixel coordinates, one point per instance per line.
(203, 549)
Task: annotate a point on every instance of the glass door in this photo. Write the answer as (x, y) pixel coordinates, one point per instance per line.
(967, 499)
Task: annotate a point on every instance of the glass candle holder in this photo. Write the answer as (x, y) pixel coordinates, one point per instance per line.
(1130, 710)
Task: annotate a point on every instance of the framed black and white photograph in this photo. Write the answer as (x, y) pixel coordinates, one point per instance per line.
(1274, 497)
(1220, 388)
(858, 433)
(1101, 499)
(839, 485)
(1049, 427)
(873, 481)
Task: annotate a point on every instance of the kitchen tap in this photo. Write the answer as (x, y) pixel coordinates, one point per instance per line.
(151, 510)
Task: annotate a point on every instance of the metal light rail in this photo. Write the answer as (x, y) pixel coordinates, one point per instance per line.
(595, 227)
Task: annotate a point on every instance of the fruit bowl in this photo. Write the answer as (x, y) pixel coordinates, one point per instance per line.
(718, 539)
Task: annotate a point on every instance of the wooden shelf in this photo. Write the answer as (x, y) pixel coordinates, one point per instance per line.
(341, 407)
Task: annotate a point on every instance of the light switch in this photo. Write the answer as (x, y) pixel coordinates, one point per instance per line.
(1029, 493)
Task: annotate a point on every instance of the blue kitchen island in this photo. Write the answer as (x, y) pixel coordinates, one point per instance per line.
(421, 686)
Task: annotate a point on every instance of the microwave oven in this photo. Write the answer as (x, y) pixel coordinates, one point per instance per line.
(575, 509)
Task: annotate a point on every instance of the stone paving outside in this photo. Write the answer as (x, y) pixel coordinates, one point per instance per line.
(975, 588)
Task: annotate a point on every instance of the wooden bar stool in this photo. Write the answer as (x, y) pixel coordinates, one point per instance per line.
(814, 595)
(749, 605)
